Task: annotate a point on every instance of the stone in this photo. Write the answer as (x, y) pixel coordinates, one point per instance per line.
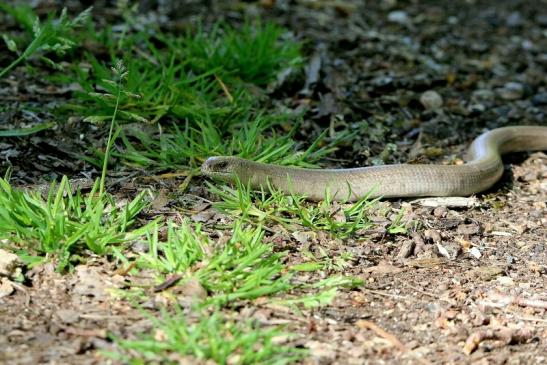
(431, 100)
(514, 20)
(539, 99)
(8, 263)
(483, 95)
(399, 17)
(511, 91)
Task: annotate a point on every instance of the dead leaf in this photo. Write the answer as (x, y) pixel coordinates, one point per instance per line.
(8, 263)
(424, 263)
(160, 200)
(304, 236)
(89, 281)
(68, 316)
(383, 268)
(486, 273)
(321, 350)
(5, 287)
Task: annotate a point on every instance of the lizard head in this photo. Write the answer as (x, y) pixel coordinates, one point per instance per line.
(223, 167)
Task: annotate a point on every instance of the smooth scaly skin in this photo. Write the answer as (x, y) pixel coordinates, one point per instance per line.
(483, 168)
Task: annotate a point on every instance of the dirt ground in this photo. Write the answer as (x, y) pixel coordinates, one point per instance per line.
(468, 285)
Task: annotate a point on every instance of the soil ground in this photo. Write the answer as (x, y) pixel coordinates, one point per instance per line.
(473, 274)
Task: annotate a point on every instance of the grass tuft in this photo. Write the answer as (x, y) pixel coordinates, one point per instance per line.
(255, 53)
(261, 207)
(211, 337)
(248, 139)
(65, 223)
(192, 76)
(53, 36)
(242, 268)
(197, 87)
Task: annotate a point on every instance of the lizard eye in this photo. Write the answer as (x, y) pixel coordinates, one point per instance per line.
(221, 165)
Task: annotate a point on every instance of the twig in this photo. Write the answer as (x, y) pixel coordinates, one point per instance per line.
(504, 334)
(391, 338)
(169, 282)
(225, 89)
(364, 324)
(124, 270)
(501, 300)
(21, 288)
(166, 176)
(98, 332)
(381, 293)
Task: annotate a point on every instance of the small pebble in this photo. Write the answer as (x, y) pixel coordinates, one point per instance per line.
(433, 235)
(6, 287)
(468, 229)
(450, 250)
(541, 19)
(382, 81)
(503, 110)
(452, 20)
(388, 4)
(420, 243)
(476, 108)
(431, 100)
(483, 95)
(527, 45)
(514, 20)
(539, 99)
(399, 17)
(8, 263)
(140, 247)
(475, 252)
(542, 59)
(511, 91)
(505, 281)
(440, 212)
(407, 249)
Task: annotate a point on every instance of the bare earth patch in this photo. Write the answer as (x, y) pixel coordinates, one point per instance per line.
(416, 306)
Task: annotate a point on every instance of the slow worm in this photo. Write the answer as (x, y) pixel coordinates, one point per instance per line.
(482, 169)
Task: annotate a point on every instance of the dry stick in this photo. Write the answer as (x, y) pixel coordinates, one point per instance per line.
(124, 270)
(389, 295)
(134, 315)
(504, 334)
(184, 185)
(364, 324)
(532, 319)
(528, 302)
(20, 287)
(418, 290)
(169, 175)
(225, 89)
(100, 333)
(501, 300)
(169, 282)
